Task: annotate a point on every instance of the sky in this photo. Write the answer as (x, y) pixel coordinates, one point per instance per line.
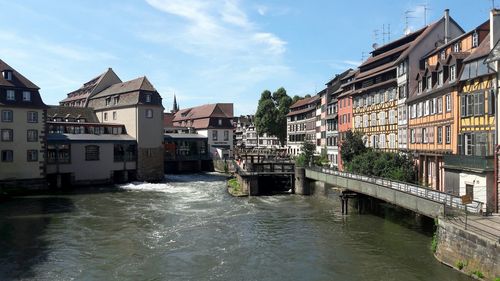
(208, 51)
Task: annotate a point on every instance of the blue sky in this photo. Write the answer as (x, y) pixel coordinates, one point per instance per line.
(206, 51)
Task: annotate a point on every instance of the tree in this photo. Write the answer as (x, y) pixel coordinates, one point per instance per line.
(307, 153)
(351, 146)
(270, 117)
(296, 98)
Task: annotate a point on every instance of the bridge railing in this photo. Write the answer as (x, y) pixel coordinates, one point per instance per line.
(420, 191)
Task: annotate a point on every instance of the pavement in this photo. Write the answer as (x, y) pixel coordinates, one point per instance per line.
(487, 226)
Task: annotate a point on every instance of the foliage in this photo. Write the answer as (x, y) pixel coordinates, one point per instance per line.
(322, 159)
(497, 279)
(478, 273)
(307, 153)
(300, 160)
(234, 188)
(460, 264)
(351, 146)
(296, 99)
(434, 243)
(270, 117)
(381, 164)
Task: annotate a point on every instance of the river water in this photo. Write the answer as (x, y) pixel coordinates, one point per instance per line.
(190, 229)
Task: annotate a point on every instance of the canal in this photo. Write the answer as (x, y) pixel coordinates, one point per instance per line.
(191, 229)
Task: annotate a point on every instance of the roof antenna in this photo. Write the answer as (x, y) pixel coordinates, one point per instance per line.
(407, 21)
(388, 32)
(426, 8)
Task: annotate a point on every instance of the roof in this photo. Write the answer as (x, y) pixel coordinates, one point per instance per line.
(87, 88)
(57, 137)
(184, 136)
(73, 112)
(291, 113)
(376, 71)
(396, 50)
(221, 110)
(375, 86)
(481, 51)
(304, 101)
(168, 119)
(141, 83)
(18, 80)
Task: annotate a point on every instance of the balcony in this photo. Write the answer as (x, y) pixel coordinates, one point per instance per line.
(469, 162)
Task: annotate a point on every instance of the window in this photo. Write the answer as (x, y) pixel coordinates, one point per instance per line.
(114, 115)
(148, 98)
(475, 39)
(429, 83)
(32, 155)
(219, 122)
(439, 102)
(108, 101)
(32, 135)
(402, 68)
(424, 135)
(11, 95)
(440, 78)
(402, 91)
(443, 54)
(215, 135)
(456, 47)
(432, 106)
(26, 96)
(448, 134)
(116, 100)
(7, 75)
(105, 116)
(440, 135)
(32, 117)
(469, 190)
(226, 135)
(453, 73)
(7, 134)
(472, 104)
(448, 102)
(91, 153)
(7, 115)
(420, 86)
(419, 109)
(412, 135)
(426, 108)
(149, 113)
(7, 155)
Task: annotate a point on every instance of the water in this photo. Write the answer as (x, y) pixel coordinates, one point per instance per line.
(191, 229)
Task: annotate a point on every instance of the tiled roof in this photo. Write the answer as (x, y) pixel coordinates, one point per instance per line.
(291, 113)
(72, 112)
(222, 110)
(375, 71)
(18, 80)
(141, 83)
(481, 51)
(86, 89)
(394, 51)
(305, 101)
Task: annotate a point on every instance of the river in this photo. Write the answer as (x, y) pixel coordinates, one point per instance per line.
(190, 229)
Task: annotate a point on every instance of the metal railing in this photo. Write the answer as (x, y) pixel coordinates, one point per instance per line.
(420, 191)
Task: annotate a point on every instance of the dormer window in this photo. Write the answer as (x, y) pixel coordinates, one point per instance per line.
(443, 54)
(26, 96)
(11, 95)
(453, 72)
(475, 39)
(456, 47)
(420, 86)
(440, 78)
(429, 83)
(220, 122)
(108, 101)
(7, 75)
(116, 100)
(148, 98)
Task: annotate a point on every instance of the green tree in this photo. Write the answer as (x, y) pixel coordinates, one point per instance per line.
(351, 146)
(270, 117)
(296, 98)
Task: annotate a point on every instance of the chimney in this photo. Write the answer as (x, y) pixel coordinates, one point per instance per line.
(446, 25)
(494, 27)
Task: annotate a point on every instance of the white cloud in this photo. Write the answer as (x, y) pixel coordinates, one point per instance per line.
(262, 10)
(274, 44)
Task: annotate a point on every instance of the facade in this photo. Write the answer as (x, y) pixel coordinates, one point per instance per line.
(345, 108)
(434, 109)
(471, 171)
(382, 83)
(246, 134)
(22, 131)
(76, 139)
(301, 124)
(138, 106)
(213, 121)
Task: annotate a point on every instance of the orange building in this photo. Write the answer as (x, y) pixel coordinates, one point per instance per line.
(344, 107)
(434, 107)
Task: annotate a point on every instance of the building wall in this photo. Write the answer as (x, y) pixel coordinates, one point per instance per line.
(20, 168)
(100, 170)
(220, 142)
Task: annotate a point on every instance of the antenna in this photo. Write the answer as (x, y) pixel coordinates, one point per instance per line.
(375, 35)
(426, 8)
(388, 32)
(363, 56)
(407, 20)
(492, 4)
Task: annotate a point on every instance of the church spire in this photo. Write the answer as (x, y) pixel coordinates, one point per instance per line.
(175, 107)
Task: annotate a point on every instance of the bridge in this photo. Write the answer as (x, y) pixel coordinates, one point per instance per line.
(425, 201)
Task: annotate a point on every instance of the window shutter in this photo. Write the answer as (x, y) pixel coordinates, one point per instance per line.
(463, 104)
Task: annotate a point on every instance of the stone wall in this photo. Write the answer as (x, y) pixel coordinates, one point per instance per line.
(457, 245)
(150, 164)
